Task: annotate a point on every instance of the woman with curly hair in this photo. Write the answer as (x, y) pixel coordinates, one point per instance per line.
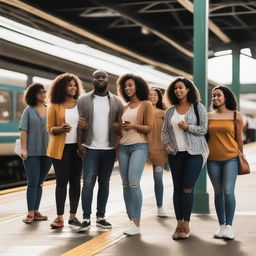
(136, 122)
(34, 141)
(62, 122)
(157, 154)
(224, 141)
(185, 124)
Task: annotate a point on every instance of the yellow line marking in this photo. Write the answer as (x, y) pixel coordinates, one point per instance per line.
(96, 244)
(12, 190)
(9, 217)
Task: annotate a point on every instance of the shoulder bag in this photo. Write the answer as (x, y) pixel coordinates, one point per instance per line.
(243, 165)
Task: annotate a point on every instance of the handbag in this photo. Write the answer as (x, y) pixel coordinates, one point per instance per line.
(243, 165)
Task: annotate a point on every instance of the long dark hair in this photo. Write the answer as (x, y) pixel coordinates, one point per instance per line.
(142, 90)
(193, 95)
(58, 87)
(230, 99)
(159, 103)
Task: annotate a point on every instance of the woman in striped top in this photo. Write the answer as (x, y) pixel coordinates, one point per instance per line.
(183, 137)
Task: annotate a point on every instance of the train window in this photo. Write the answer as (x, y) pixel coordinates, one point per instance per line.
(20, 106)
(6, 113)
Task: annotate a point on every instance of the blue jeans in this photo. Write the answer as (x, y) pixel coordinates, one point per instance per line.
(223, 176)
(132, 159)
(97, 163)
(36, 168)
(158, 183)
(185, 169)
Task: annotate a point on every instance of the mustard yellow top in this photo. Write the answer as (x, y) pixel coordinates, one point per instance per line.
(55, 117)
(157, 154)
(222, 143)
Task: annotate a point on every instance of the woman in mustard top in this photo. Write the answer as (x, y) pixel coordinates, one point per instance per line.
(62, 122)
(157, 154)
(222, 164)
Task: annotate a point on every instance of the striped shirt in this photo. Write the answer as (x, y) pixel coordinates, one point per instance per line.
(194, 136)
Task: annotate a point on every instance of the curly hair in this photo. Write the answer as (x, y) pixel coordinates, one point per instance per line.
(142, 90)
(159, 103)
(31, 92)
(58, 87)
(230, 99)
(193, 95)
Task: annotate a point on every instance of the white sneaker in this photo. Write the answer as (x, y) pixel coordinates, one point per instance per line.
(219, 233)
(160, 212)
(132, 230)
(228, 233)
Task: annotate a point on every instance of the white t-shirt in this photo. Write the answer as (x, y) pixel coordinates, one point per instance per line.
(71, 117)
(178, 132)
(101, 109)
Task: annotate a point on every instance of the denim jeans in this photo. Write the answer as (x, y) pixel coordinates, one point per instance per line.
(36, 168)
(68, 171)
(97, 163)
(158, 183)
(132, 159)
(185, 169)
(223, 176)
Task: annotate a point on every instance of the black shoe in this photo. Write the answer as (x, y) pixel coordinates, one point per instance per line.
(86, 224)
(75, 222)
(101, 222)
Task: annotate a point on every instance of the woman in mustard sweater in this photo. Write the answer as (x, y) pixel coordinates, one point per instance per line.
(224, 142)
(62, 121)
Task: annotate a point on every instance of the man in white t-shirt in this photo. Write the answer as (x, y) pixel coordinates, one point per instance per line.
(100, 109)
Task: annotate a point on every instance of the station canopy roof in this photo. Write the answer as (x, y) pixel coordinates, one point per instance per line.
(157, 33)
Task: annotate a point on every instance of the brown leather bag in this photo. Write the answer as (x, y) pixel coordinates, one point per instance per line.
(243, 165)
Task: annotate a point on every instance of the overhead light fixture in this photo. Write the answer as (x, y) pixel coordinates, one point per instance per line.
(144, 31)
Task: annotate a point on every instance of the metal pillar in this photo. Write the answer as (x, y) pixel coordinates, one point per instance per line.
(235, 86)
(201, 204)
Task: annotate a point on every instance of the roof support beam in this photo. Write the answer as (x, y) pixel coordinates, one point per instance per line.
(212, 26)
(148, 28)
(93, 37)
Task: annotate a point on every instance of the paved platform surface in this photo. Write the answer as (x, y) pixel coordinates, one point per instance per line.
(17, 238)
(155, 239)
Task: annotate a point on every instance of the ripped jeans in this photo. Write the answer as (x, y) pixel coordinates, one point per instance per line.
(185, 169)
(132, 159)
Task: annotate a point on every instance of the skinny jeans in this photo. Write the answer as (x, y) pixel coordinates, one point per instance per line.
(223, 175)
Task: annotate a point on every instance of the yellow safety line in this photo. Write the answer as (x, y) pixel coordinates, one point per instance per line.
(12, 190)
(9, 217)
(96, 244)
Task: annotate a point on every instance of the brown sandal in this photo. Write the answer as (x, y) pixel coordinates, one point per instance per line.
(39, 217)
(57, 223)
(176, 233)
(29, 219)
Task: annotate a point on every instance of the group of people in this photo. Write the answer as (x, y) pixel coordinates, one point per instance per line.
(88, 132)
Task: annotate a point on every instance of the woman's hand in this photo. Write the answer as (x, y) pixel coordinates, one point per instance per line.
(127, 126)
(24, 154)
(82, 123)
(65, 127)
(169, 148)
(183, 125)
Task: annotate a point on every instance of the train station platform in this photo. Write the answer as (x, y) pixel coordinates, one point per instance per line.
(17, 238)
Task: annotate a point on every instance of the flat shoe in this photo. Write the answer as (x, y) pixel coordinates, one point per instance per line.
(29, 219)
(40, 217)
(57, 223)
(184, 233)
